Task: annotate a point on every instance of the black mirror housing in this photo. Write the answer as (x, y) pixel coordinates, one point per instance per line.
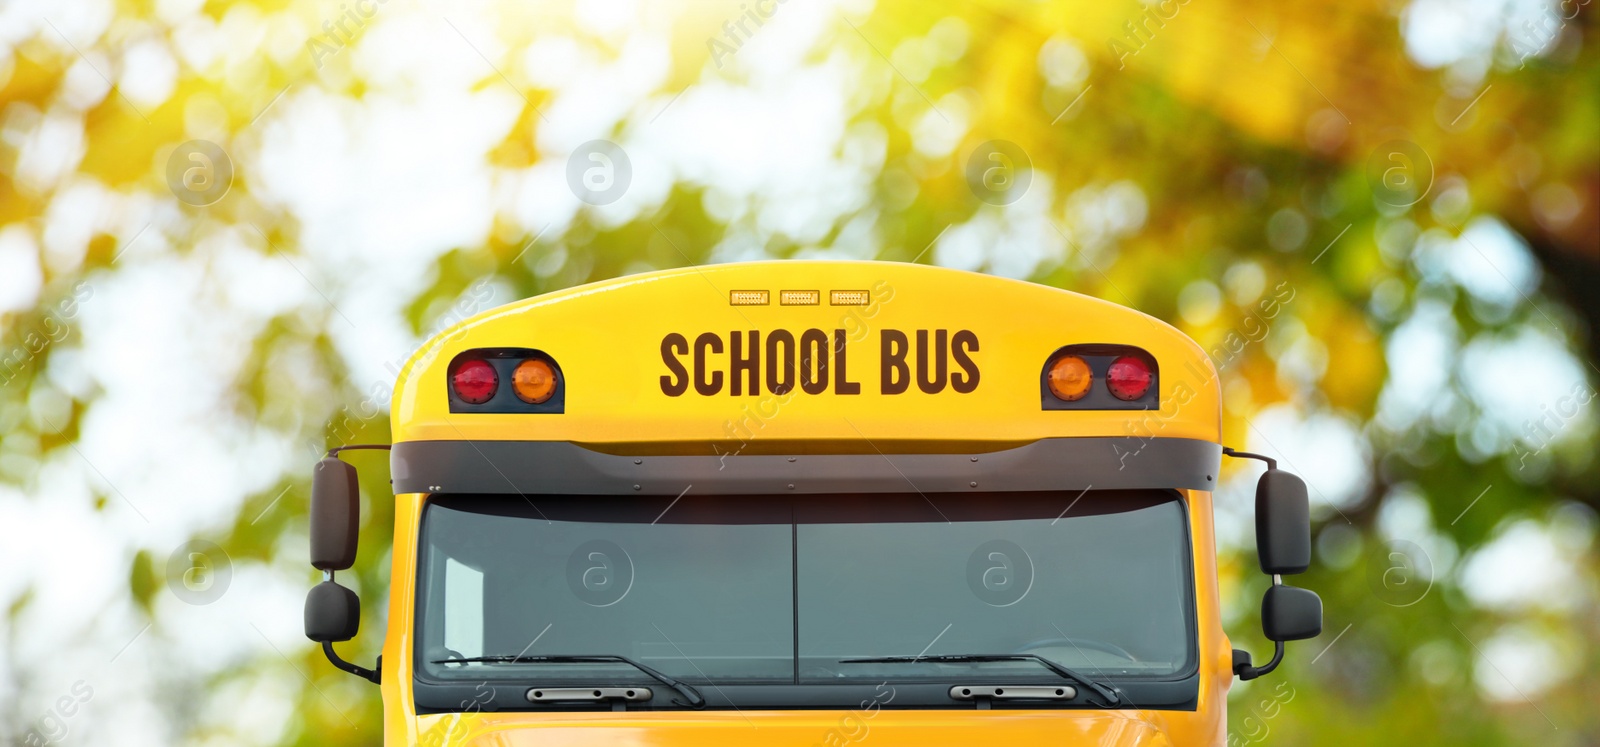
(333, 613)
(1291, 614)
(335, 515)
(1283, 523)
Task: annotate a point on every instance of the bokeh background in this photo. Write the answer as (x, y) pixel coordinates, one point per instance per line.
(223, 226)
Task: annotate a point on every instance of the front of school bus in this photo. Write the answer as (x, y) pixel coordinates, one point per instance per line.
(805, 503)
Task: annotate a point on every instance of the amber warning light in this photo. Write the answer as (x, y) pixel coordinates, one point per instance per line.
(1070, 378)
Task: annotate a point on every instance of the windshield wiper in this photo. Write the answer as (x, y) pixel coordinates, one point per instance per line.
(1108, 694)
(684, 689)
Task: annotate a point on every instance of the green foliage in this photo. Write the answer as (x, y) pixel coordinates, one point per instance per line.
(1247, 134)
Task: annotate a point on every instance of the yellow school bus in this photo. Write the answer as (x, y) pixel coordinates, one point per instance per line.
(806, 503)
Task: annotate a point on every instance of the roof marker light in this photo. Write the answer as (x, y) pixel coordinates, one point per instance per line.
(849, 298)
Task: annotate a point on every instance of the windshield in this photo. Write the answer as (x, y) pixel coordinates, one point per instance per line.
(745, 590)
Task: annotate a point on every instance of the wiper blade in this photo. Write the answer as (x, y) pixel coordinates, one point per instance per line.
(1108, 694)
(684, 689)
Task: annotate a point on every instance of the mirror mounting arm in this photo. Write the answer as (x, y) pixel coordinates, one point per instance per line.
(1271, 463)
(371, 675)
(334, 452)
(1242, 668)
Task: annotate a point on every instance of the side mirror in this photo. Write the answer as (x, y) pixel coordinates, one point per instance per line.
(1287, 614)
(333, 613)
(1291, 614)
(1283, 542)
(1283, 524)
(335, 517)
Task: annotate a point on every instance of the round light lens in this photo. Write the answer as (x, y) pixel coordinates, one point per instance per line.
(533, 381)
(1070, 378)
(475, 382)
(1129, 378)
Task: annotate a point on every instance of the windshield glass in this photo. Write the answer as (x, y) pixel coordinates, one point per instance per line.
(781, 589)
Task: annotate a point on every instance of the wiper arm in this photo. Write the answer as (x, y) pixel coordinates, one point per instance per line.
(684, 689)
(1108, 694)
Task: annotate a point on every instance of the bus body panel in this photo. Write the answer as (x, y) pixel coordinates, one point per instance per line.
(614, 344)
(399, 707)
(883, 728)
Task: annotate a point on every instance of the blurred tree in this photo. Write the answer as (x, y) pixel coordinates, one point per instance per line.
(1189, 159)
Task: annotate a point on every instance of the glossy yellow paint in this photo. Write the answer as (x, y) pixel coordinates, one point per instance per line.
(607, 339)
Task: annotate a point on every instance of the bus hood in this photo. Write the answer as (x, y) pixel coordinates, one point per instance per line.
(812, 728)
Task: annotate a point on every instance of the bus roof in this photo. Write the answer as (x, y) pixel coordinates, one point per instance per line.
(919, 359)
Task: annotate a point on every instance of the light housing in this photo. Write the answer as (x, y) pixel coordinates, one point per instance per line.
(1114, 377)
(505, 380)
